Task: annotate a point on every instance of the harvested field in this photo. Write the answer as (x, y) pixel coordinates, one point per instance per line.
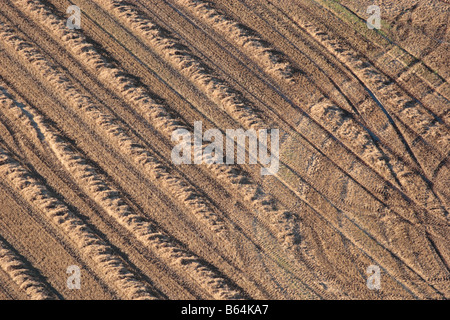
(348, 171)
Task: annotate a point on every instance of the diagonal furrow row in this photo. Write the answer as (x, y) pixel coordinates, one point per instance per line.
(111, 202)
(347, 91)
(109, 128)
(90, 245)
(418, 78)
(236, 119)
(266, 204)
(388, 165)
(129, 21)
(93, 123)
(281, 222)
(409, 111)
(250, 43)
(182, 59)
(379, 160)
(22, 273)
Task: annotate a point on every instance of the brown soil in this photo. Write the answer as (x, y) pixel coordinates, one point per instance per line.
(86, 176)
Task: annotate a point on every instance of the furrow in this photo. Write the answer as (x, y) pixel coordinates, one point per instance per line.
(180, 57)
(281, 222)
(419, 79)
(387, 165)
(411, 112)
(91, 247)
(238, 120)
(108, 127)
(243, 37)
(374, 158)
(23, 274)
(109, 199)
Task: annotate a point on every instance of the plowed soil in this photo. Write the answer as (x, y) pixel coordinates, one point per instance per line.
(87, 178)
